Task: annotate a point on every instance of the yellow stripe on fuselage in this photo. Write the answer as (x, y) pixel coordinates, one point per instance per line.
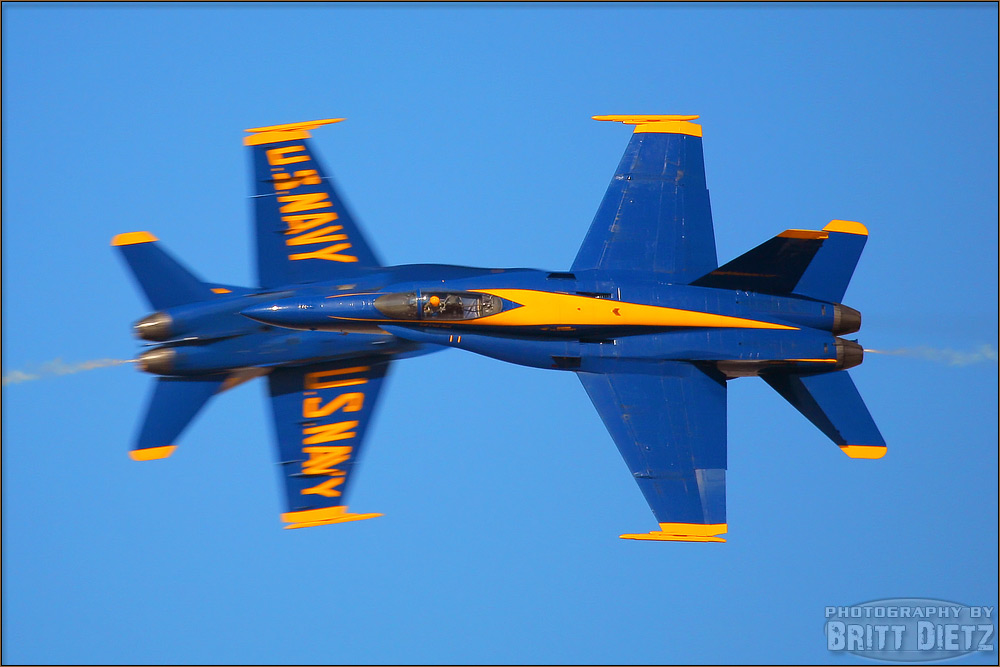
(548, 309)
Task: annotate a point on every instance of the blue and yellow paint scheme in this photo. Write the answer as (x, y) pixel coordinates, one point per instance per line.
(646, 317)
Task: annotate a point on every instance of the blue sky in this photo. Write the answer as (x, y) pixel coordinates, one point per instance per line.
(469, 141)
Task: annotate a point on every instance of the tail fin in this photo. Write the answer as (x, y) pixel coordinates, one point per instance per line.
(164, 280)
(818, 265)
(833, 404)
(174, 403)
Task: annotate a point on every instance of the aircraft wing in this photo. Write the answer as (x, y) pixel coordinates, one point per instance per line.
(655, 215)
(304, 231)
(321, 413)
(671, 430)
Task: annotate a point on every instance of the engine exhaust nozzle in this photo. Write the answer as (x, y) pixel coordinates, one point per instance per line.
(845, 320)
(159, 361)
(849, 354)
(156, 327)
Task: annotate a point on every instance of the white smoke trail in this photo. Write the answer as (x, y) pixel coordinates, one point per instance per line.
(57, 367)
(982, 354)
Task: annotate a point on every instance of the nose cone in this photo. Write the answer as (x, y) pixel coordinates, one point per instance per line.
(287, 313)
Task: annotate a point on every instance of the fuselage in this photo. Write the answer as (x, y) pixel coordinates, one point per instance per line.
(647, 318)
(583, 321)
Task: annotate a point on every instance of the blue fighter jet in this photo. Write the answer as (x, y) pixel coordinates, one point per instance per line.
(645, 317)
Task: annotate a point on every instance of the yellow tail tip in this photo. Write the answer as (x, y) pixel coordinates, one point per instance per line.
(636, 119)
(152, 453)
(322, 517)
(660, 124)
(863, 451)
(846, 227)
(287, 132)
(132, 238)
(682, 532)
(304, 125)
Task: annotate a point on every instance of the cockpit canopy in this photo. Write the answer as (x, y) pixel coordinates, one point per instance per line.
(443, 306)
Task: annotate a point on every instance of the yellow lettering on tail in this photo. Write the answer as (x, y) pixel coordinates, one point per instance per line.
(329, 432)
(280, 155)
(317, 379)
(322, 459)
(305, 202)
(300, 223)
(349, 402)
(331, 253)
(283, 181)
(318, 236)
(325, 489)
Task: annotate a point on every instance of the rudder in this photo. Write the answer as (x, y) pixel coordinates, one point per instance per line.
(813, 264)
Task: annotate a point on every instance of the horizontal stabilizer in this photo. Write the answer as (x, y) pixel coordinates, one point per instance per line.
(164, 280)
(174, 403)
(815, 264)
(833, 404)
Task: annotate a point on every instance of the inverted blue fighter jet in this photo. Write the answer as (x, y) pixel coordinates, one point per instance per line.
(645, 317)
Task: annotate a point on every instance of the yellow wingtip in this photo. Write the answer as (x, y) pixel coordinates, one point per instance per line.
(132, 238)
(682, 532)
(152, 453)
(663, 537)
(287, 132)
(674, 124)
(322, 517)
(847, 227)
(864, 451)
(304, 125)
(637, 119)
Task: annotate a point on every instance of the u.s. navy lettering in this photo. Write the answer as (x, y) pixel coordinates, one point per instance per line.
(320, 459)
(302, 228)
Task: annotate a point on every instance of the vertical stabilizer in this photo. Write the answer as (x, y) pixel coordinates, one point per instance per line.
(814, 264)
(164, 281)
(174, 403)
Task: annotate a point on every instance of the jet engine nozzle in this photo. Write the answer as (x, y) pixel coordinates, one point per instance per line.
(849, 354)
(155, 327)
(159, 361)
(845, 320)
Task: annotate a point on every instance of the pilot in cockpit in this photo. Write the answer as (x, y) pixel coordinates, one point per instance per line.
(433, 306)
